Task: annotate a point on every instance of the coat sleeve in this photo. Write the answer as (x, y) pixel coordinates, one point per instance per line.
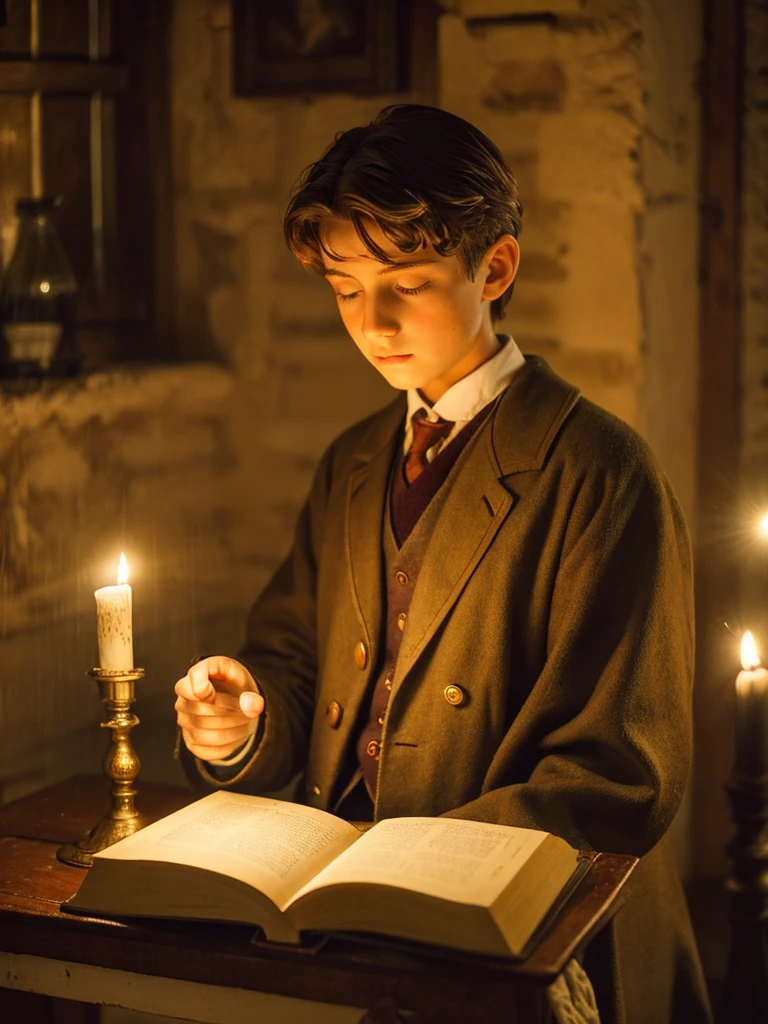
(281, 653)
(609, 716)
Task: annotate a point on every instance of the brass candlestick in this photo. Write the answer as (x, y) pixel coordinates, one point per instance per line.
(121, 765)
(745, 992)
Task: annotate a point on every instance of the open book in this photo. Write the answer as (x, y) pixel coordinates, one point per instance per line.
(289, 868)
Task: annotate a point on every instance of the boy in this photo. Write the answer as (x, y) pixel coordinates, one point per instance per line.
(487, 609)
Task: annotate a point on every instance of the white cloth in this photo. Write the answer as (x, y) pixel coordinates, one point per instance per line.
(572, 997)
(464, 399)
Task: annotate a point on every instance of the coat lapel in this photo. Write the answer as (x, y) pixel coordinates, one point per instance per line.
(522, 430)
(366, 500)
(475, 509)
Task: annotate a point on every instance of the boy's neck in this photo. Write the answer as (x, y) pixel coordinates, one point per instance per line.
(485, 349)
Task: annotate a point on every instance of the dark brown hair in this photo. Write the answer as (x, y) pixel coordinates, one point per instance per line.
(424, 176)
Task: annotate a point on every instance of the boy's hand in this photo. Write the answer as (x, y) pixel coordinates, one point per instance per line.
(217, 707)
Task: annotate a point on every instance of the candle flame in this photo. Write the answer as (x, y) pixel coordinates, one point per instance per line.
(762, 526)
(122, 569)
(749, 656)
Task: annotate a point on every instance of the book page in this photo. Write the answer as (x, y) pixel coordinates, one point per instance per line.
(453, 859)
(273, 845)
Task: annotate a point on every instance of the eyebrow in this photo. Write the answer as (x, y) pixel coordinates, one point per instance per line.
(390, 268)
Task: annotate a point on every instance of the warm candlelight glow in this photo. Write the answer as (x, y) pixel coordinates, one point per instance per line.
(749, 657)
(122, 569)
(762, 526)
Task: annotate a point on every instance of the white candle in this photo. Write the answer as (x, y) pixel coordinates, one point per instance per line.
(751, 712)
(114, 622)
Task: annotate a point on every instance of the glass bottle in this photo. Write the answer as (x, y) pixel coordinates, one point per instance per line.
(37, 298)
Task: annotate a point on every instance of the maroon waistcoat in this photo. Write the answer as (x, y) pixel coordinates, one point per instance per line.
(407, 530)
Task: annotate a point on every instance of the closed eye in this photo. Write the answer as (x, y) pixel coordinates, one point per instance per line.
(413, 291)
(348, 296)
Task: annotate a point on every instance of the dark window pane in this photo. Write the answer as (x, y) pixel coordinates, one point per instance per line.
(67, 170)
(14, 37)
(15, 164)
(63, 28)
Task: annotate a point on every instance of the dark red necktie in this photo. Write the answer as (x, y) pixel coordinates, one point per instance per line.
(425, 434)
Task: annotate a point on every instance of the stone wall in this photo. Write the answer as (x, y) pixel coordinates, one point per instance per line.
(197, 472)
(114, 462)
(563, 100)
(754, 281)
(668, 236)
(755, 242)
(597, 113)
(667, 268)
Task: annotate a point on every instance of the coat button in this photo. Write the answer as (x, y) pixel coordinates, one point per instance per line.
(402, 578)
(316, 791)
(361, 655)
(388, 683)
(333, 714)
(454, 695)
(372, 749)
(401, 621)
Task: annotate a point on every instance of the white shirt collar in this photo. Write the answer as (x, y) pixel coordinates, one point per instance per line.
(464, 399)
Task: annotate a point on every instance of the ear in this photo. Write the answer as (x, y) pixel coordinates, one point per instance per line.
(501, 261)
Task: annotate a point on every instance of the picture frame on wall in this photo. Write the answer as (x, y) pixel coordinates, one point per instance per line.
(302, 47)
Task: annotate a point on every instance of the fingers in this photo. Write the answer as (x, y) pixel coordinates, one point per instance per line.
(214, 732)
(210, 736)
(212, 723)
(211, 677)
(231, 736)
(224, 704)
(225, 674)
(214, 746)
(196, 690)
(217, 705)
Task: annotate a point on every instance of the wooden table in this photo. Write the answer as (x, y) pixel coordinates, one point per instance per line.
(214, 973)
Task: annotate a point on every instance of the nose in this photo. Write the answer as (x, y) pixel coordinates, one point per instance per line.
(379, 320)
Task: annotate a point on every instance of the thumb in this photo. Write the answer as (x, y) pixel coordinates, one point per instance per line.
(251, 704)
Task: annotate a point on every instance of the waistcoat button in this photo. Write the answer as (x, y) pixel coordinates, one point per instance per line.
(388, 683)
(402, 578)
(333, 714)
(372, 749)
(361, 655)
(454, 695)
(401, 621)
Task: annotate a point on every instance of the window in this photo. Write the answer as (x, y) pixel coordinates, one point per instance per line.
(84, 113)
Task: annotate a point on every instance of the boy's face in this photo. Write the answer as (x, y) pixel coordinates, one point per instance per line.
(422, 323)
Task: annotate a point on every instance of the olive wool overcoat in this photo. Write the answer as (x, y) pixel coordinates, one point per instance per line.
(556, 592)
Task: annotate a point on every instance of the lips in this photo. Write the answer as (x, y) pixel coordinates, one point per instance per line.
(393, 360)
